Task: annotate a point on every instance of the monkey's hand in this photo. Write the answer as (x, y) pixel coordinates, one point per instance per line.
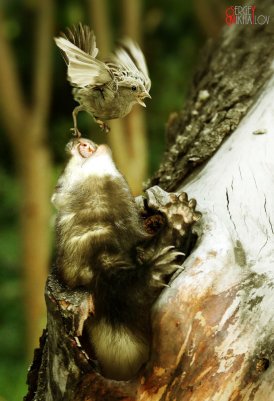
(169, 217)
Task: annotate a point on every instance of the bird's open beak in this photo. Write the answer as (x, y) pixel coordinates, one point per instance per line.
(141, 102)
(143, 96)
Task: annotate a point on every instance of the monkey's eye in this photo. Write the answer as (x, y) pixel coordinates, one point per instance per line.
(133, 88)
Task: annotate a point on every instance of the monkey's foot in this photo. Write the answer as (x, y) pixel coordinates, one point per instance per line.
(75, 132)
(104, 127)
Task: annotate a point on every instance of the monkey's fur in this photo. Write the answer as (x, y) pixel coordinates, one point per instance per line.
(98, 234)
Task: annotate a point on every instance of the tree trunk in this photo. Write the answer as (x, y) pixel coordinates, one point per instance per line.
(214, 327)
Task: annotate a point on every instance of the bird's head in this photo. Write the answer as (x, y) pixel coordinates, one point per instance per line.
(134, 91)
(139, 93)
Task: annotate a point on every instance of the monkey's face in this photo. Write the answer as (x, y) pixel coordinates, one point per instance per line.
(88, 159)
(81, 147)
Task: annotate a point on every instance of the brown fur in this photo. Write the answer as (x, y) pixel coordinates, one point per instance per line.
(98, 231)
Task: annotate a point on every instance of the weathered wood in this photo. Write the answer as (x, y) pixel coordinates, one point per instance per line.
(227, 288)
(230, 75)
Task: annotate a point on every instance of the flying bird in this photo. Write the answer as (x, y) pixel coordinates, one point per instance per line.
(105, 89)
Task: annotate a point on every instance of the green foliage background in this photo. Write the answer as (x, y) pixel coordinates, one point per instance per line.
(172, 38)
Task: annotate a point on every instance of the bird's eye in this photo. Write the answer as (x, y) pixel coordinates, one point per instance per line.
(133, 88)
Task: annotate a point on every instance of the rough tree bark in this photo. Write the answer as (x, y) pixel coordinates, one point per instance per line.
(214, 327)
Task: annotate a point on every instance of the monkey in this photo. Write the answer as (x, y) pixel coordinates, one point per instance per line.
(99, 234)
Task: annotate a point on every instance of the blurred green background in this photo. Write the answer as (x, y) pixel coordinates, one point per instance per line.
(172, 34)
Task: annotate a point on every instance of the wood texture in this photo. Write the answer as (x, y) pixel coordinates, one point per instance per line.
(229, 77)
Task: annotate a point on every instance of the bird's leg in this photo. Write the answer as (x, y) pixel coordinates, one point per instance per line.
(104, 127)
(75, 130)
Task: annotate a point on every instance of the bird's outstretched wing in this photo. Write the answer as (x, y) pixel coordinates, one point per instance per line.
(131, 57)
(83, 37)
(79, 50)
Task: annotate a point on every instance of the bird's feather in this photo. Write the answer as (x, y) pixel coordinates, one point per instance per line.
(83, 69)
(105, 89)
(82, 37)
(137, 56)
(122, 59)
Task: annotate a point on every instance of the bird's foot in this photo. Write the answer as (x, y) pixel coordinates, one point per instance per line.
(104, 127)
(76, 132)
